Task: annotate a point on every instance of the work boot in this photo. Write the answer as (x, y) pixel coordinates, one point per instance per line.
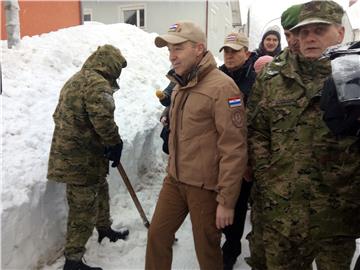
(112, 235)
(78, 265)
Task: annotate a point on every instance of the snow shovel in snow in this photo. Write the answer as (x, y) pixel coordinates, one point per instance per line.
(133, 195)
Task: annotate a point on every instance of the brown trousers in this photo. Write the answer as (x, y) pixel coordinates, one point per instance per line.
(175, 201)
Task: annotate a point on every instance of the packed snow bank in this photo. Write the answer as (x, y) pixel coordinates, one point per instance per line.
(33, 209)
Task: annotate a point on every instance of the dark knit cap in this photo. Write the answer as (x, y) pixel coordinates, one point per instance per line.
(271, 32)
(262, 51)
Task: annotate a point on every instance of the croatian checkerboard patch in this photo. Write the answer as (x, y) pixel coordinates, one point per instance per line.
(234, 102)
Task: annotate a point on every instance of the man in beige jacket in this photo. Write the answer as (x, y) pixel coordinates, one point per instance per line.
(207, 151)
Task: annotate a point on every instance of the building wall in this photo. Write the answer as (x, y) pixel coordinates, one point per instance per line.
(220, 24)
(159, 15)
(37, 17)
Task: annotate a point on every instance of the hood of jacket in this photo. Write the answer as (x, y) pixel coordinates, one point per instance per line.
(108, 61)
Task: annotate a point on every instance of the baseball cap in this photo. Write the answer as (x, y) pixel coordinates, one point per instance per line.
(235, 41)
(180, 32)
(327, 12)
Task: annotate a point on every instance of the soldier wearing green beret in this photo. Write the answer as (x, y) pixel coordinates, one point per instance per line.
(308, 180)
(84, 131)
(283, 61)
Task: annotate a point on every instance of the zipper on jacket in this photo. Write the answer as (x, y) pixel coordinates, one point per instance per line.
(182, 110)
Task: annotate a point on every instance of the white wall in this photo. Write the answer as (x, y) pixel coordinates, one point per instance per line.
(159, 15)
(220, 24)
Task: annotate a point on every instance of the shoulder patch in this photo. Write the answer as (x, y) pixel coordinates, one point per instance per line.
(237, 118)
(234, 101)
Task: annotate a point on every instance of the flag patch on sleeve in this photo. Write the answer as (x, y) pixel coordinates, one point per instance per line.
(234, 102)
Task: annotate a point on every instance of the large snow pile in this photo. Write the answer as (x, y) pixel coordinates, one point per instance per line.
(33, 210)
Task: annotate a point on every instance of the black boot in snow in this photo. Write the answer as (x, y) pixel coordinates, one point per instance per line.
(78, 265)
(112, 235)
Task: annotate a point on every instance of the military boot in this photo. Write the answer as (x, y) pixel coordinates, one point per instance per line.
(111, 234)
(78, 265)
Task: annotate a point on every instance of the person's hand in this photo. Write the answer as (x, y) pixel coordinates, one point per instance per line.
(160, 94)
(113, 153)
(224, 216)
(164, 121)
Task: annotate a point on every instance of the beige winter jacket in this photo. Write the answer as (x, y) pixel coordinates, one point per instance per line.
(208, 133)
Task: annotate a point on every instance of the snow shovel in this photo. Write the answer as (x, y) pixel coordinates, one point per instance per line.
(133, 195)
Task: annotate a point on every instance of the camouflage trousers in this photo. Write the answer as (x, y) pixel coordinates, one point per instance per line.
(283, 253)
(272, 250)
(257, 259)
(88, 208)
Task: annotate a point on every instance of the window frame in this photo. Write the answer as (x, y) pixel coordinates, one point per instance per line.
(137, 8)
(87, 11)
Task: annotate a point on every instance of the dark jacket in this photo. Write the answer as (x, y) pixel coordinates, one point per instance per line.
(244, 77)
(340, 120)
(167, 91)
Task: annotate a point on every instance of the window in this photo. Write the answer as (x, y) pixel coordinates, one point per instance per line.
(87, 16)
(134, 15)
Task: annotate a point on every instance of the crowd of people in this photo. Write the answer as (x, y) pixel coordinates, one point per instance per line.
(276, 130)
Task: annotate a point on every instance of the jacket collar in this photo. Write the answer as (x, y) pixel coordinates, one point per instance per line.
(241, 73)
(196, 74)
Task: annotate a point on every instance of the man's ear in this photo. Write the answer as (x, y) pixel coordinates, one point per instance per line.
(200, 49)
(341, 31)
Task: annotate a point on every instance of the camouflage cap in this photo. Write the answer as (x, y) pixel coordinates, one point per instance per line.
(290, 17)
(235, 41)
(180, 32)
(327, 12)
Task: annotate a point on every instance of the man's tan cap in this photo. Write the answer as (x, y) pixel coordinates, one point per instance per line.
(235, 41)
(180, 32)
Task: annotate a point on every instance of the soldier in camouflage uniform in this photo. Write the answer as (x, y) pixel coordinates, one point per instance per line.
(308, 180)
(289, 19)
(84, 129)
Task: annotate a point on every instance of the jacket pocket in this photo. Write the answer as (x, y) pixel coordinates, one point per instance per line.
(209, 159)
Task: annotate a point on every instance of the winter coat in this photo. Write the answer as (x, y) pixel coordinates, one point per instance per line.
(84, 120)
(244, 77)
(167, 91)
(309, 180)
(207, 142)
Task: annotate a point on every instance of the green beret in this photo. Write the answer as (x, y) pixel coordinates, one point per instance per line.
(327, 12)
(290, 17)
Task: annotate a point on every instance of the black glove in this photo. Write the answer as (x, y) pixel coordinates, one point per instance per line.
(113, 153)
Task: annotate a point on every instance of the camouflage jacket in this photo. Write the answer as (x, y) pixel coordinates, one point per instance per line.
(309, 179)
(84, 120)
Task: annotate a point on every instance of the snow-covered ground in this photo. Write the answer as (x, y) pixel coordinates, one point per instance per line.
(33, 217)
